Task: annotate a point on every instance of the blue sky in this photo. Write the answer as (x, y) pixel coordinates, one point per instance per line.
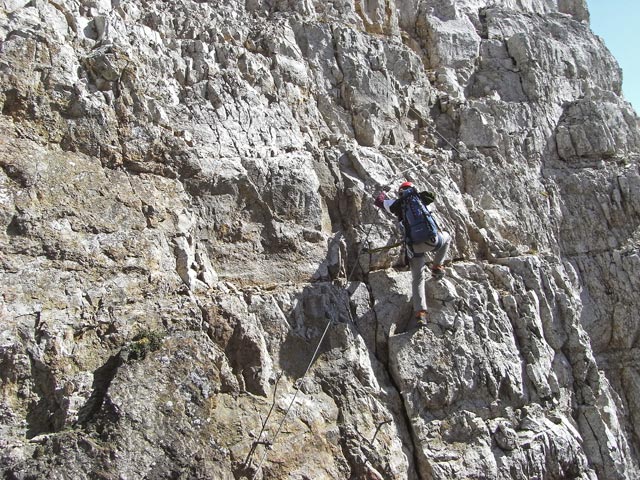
(617, 22)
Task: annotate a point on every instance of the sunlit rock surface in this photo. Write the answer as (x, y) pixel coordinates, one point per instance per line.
(188, 289)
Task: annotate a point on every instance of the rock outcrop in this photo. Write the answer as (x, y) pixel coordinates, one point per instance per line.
(191, 286)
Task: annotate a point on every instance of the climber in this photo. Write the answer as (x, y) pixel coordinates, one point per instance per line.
(421, 234)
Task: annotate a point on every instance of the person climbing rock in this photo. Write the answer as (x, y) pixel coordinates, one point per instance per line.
(421, 235)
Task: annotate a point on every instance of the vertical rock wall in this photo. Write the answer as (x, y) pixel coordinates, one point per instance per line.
(185, 195)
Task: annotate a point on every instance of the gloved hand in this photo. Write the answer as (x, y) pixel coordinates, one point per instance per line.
(379, 201)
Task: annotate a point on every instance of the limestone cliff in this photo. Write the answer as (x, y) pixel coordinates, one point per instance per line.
(186, 216)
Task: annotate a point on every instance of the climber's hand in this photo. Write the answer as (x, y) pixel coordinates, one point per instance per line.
(379, 201)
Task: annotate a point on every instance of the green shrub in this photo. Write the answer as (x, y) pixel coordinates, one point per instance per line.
(143, 343)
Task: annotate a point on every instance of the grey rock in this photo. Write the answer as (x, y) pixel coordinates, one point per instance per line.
(191, 286)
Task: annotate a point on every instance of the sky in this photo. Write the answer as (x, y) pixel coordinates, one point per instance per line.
(617, 22)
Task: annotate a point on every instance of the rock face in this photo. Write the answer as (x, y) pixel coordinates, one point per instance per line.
(185, 196)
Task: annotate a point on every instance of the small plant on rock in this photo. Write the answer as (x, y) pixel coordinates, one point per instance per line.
(143, 343)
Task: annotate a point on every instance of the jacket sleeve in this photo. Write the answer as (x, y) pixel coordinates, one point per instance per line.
(388, 203)
(393, 206)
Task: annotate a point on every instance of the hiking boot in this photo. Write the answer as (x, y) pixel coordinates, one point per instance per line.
(437, 271)
(421, 318)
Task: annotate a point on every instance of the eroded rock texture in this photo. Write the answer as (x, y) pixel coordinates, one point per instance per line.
(185, 195)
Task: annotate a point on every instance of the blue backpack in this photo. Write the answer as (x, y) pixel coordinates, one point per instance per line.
(419, 225)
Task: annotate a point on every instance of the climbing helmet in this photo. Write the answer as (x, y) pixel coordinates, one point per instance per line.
(404, 185)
